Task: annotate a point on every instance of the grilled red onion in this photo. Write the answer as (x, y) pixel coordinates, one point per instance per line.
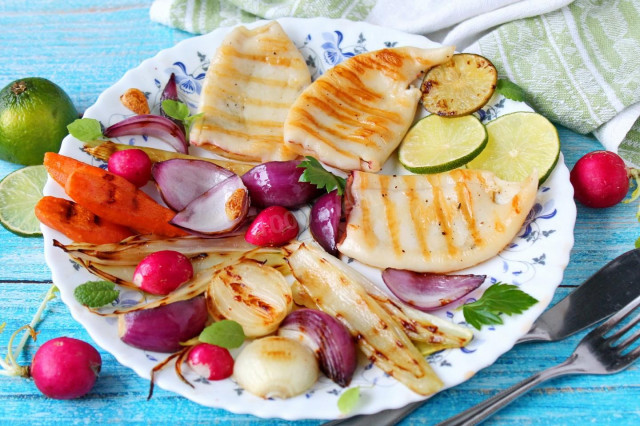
(219, 210)
(427, 291)
(170, 92)
(162, 329)
(324, 220)
(328, 338)
(181, 181)
(150, 125)
(275, 183)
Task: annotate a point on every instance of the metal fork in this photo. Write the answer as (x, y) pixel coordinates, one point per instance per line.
(596, 353)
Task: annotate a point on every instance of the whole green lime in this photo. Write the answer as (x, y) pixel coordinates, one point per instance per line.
(34, 114)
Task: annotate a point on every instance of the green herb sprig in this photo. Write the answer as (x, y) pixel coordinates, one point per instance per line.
(180, 111)
(95, 294)
(349, 399)
(498, 299)
(317, 175)
(226, 334)
(510, 90)
(86, 129)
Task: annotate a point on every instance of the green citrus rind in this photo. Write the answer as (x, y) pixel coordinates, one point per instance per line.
(519, 144)
(438, 144)
(20, 191)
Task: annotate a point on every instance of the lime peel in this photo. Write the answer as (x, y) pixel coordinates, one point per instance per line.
(438, 144)
(20, 191)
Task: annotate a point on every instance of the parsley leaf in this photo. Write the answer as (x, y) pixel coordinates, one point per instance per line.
(349, 399)
(226, 334)
(315, 174)
(510, 90)
(498, 299)
(180, 111)
(95, 294)
(86, 129)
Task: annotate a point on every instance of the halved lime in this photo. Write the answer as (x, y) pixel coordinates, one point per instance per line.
(20, 191)
(437, 144)
(519, 143)
(460, 86)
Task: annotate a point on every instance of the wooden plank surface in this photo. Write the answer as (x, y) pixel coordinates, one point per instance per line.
(86, 46)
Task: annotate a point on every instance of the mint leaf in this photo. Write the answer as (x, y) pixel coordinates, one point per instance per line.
(317, 175)
(498, 299)
(95, 294)
(226, 334)
(349, 399)
(86, 129)
(510, 90)
(175, 109)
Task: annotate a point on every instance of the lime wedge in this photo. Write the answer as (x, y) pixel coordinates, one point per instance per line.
(437, 144)
(20, 191)
(460, 86)
(519, 143)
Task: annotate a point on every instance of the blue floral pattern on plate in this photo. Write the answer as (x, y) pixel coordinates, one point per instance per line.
(534, 260)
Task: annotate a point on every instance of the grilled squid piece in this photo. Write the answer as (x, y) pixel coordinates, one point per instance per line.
(356, 114)
(254, 78)
(433, 223)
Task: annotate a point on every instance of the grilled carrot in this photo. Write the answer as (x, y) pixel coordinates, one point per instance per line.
(116, 199)
(78, 223)
(60, 167)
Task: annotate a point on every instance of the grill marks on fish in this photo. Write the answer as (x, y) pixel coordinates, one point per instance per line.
(356, 114)
(252, 81)
(433, 223)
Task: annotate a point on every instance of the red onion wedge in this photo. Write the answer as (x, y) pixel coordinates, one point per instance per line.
(327, 338)
(162, 329)
(275, 183)
(219, 210)
(427, 291)
(324, 220)
(170, 92)
(150, 125)
(181, 181)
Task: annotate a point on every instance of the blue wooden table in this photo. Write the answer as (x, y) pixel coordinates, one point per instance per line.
(86, 46)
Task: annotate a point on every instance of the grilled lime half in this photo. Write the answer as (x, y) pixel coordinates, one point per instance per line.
(460, 86)
(519, 143)
(20, 191)
(437, 144)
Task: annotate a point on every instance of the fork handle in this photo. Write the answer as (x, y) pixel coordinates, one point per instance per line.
(479, 412)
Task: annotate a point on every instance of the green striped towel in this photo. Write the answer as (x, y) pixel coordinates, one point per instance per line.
(579, 62)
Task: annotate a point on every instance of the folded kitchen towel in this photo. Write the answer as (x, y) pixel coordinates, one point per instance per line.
(578, 62)
(580, 67)
(451, 22)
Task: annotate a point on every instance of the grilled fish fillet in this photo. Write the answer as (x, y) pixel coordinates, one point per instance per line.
(433, 223)
(254, 78)
(355, 115)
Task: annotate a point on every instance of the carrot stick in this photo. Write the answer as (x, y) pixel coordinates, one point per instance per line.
(78, 223)
(60, 167)
(116, 199)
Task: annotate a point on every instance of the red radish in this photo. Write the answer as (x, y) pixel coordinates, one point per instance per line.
(132, 164)
(600, 179)
(162, 272)
(65, 368)
(273, 226)
(210, 361)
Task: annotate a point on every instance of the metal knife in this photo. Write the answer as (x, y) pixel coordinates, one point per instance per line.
(599, 297)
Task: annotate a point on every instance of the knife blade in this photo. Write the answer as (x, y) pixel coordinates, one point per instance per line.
(597, 298)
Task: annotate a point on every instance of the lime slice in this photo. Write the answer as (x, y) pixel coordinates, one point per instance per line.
(436, 144)
(460, 86)
(20, 191)
(519, 143)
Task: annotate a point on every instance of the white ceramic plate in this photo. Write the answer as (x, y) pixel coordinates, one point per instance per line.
(535, 260)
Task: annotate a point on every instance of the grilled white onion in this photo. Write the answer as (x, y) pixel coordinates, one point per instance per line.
(276, 367)
(255, 295)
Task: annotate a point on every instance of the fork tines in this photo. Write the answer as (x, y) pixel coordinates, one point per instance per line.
(616, 320)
